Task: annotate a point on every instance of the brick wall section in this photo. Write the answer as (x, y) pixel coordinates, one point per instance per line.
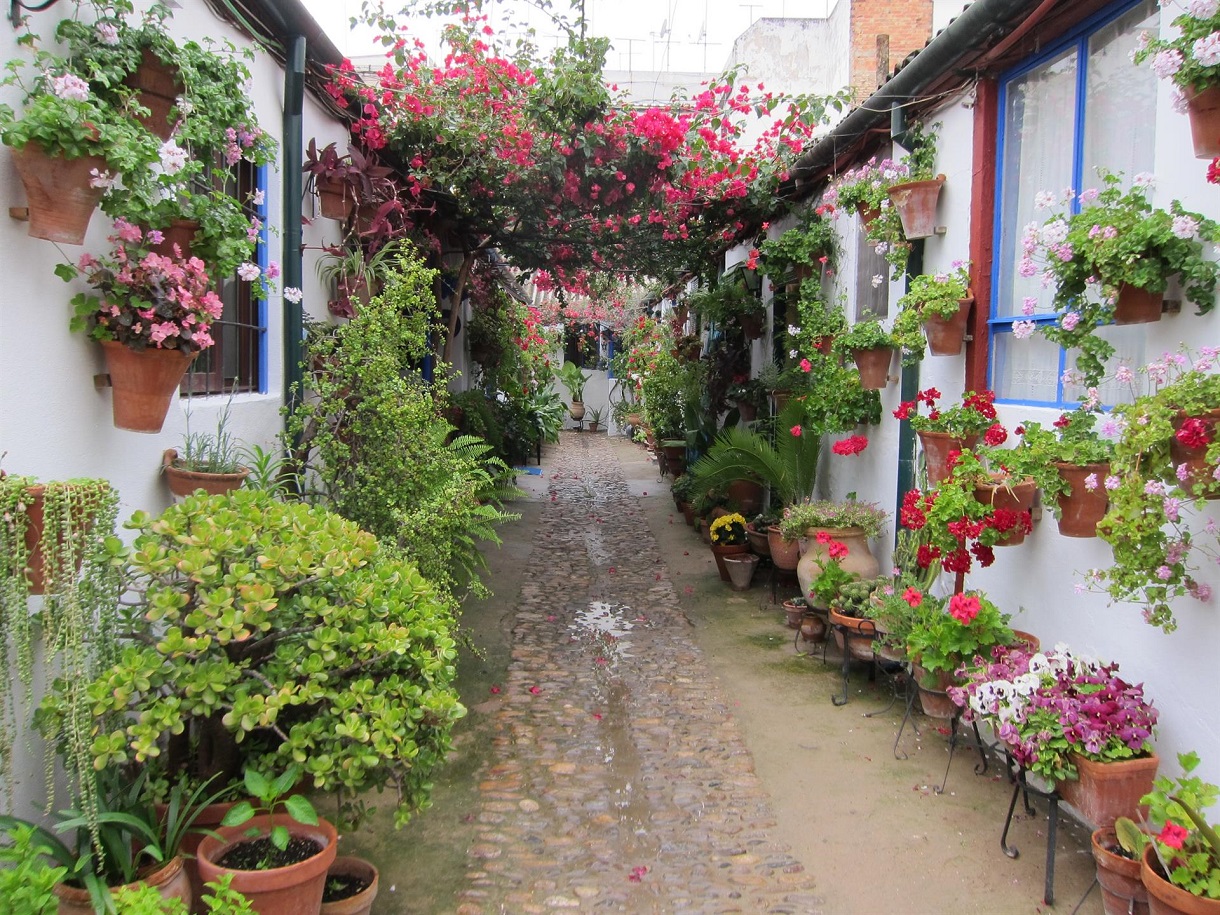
(908, 23)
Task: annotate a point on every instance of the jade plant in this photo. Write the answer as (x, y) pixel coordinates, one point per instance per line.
(260, 633)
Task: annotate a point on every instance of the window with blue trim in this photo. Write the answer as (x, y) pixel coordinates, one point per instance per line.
(1080, 106)
(236, 362)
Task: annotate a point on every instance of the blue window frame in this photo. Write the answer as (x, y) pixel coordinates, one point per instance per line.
(1078, 106)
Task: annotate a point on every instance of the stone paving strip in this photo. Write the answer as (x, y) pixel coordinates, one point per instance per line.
(619, 781)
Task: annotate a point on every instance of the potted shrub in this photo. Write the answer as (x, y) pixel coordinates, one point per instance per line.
(1181, 864)
(872, 347)
(370, 704)
(1184, 60)
(210, 461)
(276, 859)
(572, 378)
(728, 538)
(153, 315)
(1164, 463)
(947, 633)
(952, 429)
(1112, 261)
(1072, 721)
(934, 309)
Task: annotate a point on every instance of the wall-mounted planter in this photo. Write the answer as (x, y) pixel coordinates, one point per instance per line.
(1203, 109)
(61, 199)
(946, 336)
(915, 202)
(143, 382)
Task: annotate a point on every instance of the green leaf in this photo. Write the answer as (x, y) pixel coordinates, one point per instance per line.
(239, 813)
(301, 810)
(258, 785)
(280, 837)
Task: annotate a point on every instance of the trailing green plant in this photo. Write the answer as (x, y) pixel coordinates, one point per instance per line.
(1117, 238)
(73, 628)
(810, 244)
(928, 295)
(260, 633)
(1155, 547)
(374, 446)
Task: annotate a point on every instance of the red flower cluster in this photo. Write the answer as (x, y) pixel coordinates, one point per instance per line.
(982, 402)
(913, 596)
(1193, 434)
(1213, 171)
(964, 608)
(996, 435)
(853, 445)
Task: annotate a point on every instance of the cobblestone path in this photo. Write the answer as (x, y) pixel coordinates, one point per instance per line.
(619, 781)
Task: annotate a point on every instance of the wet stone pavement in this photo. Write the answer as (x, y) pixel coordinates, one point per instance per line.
(618, 780)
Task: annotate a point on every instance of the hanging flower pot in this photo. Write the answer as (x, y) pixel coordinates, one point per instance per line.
(915, 202)
(937, 446)
(1191, 436)
(867, 215)
(1105, 791)
(158, 86)
(180, 232)
(874, 367)
(143, 382)
(1203, 109)
(336, 198)
(60, 198)
(824, 344)
(1014, 497)
(752, 326)
(1137, 306)
(946, 336)
(1081, 508)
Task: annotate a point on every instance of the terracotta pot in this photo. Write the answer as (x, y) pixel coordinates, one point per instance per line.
(169, 880)
(1105, 791)
(675, 458)
(293, 889)
(58, 193)
(362, 902)
(824, 344)
(874, 367)
(946, 336)
(933, 697)
(752, 326)
(867, 215)
(158, 87)
(859, 560)
(336, 198)
(813, 627)
(747, 411)
(180, 232)
(1203, 109)
(784, 553)
(1122, 891)
(594, 425)
(731, 549)
(705, 533)
(1080, 509)
(143, 384)
(1200, 481)
(747, 494)
(1027, 640)
(854, 635)
(915, 202)
(1017, 497)
(794, 610)
(184, 482)
(937, 446)
(741, 570)
(688, 512)
(758, 541)
(1137, 306)
(1166, 899)
(35, 511)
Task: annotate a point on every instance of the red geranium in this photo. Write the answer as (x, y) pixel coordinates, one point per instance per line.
(848, 446)
(1193, 434)
(964, 608)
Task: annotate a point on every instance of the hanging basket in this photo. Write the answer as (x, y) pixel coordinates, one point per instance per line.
(183, 482)
(1203, 109)
(335, 198)
(874, 367)
(60, 197)
(915, 202)
(946, 336)
(158, 86)
(1137, 306)
(752, 326)
(868, 215)
(143, 382)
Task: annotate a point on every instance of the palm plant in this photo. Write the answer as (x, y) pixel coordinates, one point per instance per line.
(789, 464)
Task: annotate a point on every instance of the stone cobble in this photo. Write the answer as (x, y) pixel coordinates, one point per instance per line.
(619, 781)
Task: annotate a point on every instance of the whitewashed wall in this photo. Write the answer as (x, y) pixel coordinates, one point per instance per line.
(1038, 581)
(53, 423)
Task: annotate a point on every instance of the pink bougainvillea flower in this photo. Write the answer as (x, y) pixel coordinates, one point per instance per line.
(806, 365)
(796, 431)
(637, 873)
(535, 690)
(495, 690)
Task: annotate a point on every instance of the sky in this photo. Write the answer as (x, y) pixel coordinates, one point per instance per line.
(673, 35)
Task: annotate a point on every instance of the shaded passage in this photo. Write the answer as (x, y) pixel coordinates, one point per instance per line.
(618, 780)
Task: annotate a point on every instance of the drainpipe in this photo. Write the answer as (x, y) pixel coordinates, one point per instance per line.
(293, 146)
(910, 373)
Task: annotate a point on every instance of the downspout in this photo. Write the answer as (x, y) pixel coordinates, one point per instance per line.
(910, 373)
(293, 146)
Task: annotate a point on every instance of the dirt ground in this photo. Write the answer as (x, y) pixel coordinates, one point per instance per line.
(868, 826)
